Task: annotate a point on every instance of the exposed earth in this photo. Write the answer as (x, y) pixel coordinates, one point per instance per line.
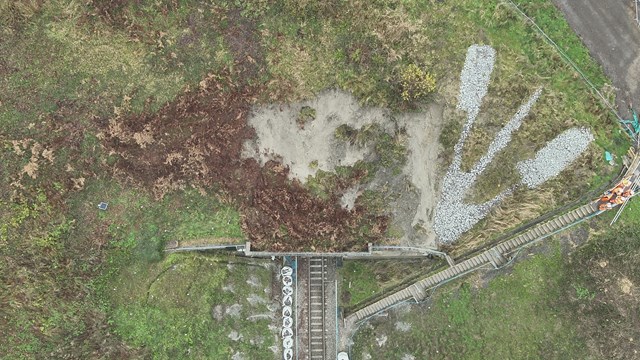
(208, 130)
(307, 148)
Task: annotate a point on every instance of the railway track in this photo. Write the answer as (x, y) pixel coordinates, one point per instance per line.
(318, 332)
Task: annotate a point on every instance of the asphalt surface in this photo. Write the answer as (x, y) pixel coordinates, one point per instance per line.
(609, 30)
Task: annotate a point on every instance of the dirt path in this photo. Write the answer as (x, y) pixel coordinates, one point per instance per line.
(609, 30)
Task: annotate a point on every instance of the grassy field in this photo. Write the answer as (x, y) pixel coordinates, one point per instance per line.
(142, 104)
(194, 306)
(550, 305)
(362, 279)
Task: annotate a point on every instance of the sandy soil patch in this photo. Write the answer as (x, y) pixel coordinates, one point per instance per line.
(421, 168)
(311, 145)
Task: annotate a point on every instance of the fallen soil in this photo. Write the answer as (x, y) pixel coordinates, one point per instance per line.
(421, 169)
(307, 148)
(609, 30)
(310, 147)
(197, 140)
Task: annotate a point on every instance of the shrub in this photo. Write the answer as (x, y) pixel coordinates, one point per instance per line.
(416, 83)
(305, 115)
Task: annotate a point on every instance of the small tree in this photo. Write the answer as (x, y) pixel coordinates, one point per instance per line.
(416, 83)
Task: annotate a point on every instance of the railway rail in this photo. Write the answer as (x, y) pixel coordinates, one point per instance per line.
(318, 331)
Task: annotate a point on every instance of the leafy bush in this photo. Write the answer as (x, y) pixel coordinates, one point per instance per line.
(305, 115)
(416, 83)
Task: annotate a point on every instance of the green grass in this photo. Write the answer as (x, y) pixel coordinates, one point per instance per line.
(363, 280)
(169, 308)
(550, 305)
(358, 281)
(60, 56)
(165, 304)
(64, 69)
(203, 218)
(63, 252)
(514, 317)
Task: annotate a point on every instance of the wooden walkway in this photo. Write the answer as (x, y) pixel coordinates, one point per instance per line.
(496, 256)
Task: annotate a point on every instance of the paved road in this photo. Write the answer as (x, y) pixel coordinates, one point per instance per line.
(610, 32)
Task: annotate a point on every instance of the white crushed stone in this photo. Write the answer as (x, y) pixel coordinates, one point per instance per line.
(382, 340)
(503, 137)
(454, 217)
(408, 357)
(255, 299)
(257, 317)
(259, 340)
(254, 281)
(475, 78)
(237, 356)
(218, 312)
(555, 156)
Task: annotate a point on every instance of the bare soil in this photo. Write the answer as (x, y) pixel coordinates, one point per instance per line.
(197, 141)
(306, 149)
(313, 146)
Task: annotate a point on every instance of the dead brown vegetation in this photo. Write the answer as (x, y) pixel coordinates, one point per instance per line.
(197, 141)
(521, 207)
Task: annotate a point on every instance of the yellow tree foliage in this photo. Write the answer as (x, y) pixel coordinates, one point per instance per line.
(416, 83)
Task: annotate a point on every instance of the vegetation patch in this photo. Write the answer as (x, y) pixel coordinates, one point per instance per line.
(195, 305)
(550, 304)
(305, 115)
(515, 316)
(364, 280)
(416, 83)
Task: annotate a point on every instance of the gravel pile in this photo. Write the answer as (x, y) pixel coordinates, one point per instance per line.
(453, 217)
(474, 79)
(555, 156)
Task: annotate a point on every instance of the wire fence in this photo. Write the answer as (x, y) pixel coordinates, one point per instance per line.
(566, 57)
